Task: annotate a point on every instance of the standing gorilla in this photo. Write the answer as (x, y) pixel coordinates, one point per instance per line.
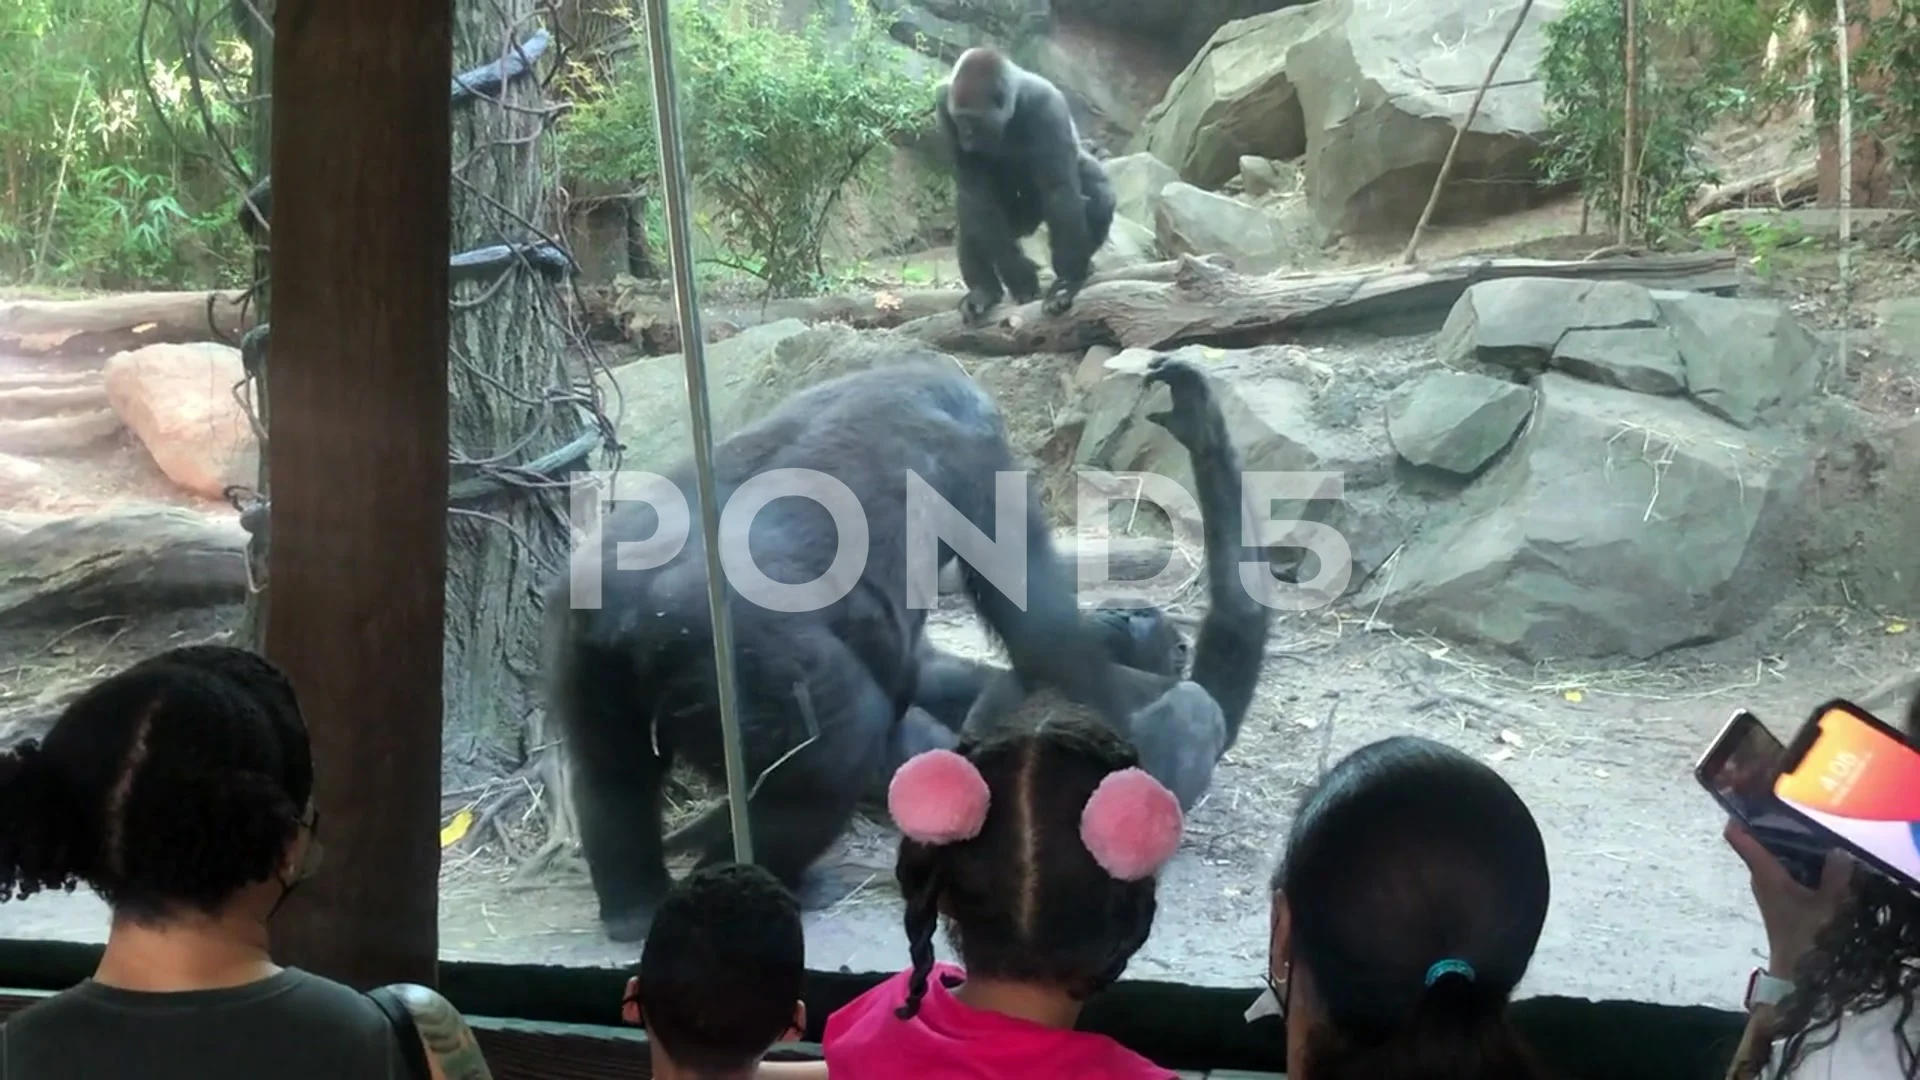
(1018, 162)
(822, 693)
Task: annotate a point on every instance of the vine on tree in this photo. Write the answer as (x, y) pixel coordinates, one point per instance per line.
(777, 127)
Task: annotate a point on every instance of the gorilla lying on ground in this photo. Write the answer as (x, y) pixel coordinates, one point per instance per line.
(1018, 163)
(1181, 727)
(822, 693)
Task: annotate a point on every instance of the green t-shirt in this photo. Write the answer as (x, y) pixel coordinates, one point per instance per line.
(291, 1026)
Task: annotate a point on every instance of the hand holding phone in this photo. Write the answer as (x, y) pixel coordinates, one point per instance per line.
(1739, 770)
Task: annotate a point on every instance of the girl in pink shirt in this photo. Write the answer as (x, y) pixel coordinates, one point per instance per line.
(1039, 850)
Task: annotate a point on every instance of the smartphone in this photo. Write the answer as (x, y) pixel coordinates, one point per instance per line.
(1739, 770)
(1859, 778)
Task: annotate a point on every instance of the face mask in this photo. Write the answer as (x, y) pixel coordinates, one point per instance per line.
(309, 864)
(1267, 1004)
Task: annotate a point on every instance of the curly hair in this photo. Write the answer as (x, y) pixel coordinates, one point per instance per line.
(166, 788)
(1408, 854)
(1866, 959)
(723, 966)
(1024, 900)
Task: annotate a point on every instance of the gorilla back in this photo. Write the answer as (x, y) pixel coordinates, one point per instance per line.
(821, 691)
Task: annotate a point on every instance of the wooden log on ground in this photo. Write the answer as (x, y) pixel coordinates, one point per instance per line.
(54, 413)
(652, 322)
(1780, 187)
(128, 560)
(1207, 304)
(103, 325)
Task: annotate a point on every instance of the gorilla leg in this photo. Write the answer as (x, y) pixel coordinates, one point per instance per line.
(804, 798)
(618, 804)
(988, 248)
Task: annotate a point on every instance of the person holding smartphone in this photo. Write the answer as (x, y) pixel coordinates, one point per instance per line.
(1838, 994)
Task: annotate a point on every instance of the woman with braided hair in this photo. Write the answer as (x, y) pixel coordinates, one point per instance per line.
(180, 792)
(1837, 998)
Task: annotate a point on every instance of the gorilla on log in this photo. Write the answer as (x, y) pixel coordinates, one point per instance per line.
(1018, 163)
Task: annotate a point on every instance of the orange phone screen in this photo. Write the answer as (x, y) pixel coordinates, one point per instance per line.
(1862, 784)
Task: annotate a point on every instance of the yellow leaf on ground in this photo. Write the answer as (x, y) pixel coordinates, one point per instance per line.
(452, 831)
(1896, 628)
(1574, 696)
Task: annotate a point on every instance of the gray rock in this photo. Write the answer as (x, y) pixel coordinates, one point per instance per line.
(747, 376)
(1517, 323)
(1137, 182)
(1234, 98)
(1745, 359)
(1897, 326)
(1129, 243)
(1189, 221)
(649, 396)
(1263, 176)
(1644, 359)
(1860, 533)
(1619, 524)
(1456, 420)
(1382, 88)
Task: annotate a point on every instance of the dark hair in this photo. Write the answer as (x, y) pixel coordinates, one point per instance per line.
(1024, 899)
(1867, 958)
(722, 968)
(1409, 853)
(168, 787)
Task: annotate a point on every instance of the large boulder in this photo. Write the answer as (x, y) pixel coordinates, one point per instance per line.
(1618, 524)
(179, 400)
(1744, 361)
(1382, 88)
(1188, 221)
(1235, 98)
(1862, 517)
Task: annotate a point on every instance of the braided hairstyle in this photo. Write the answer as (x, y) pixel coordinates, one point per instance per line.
(1416, 881)
(1024, 900)
(1867, 958)
(166, 788)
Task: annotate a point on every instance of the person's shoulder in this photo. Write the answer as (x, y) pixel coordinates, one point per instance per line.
(1865, 1046)
(1120, 1063)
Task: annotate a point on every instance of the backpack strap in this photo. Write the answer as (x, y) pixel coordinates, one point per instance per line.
(413, 1053)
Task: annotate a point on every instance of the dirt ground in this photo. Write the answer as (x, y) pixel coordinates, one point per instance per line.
(1649, 904)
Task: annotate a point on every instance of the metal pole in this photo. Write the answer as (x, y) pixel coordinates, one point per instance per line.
(673, 174)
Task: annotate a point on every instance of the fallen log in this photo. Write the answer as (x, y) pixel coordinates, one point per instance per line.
(128, 560)
(1780, 187)
(102, 325)
(1207, 304)
(654, 324)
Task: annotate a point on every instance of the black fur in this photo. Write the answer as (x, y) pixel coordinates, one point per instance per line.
(1018, 163)
(633, 681)
(1181, 727)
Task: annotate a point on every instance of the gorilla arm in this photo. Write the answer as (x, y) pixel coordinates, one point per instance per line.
(1232, 642)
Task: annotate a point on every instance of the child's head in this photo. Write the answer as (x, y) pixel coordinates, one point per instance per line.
(720, 977)
(1039, 848)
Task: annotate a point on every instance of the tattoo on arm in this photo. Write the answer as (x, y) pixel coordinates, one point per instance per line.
(451, 1047)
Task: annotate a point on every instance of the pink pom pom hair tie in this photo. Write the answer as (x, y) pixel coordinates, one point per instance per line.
(938, 798)
(1131, 824)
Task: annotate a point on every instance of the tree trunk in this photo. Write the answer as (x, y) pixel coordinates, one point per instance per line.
(507, 360)
(255, 20)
